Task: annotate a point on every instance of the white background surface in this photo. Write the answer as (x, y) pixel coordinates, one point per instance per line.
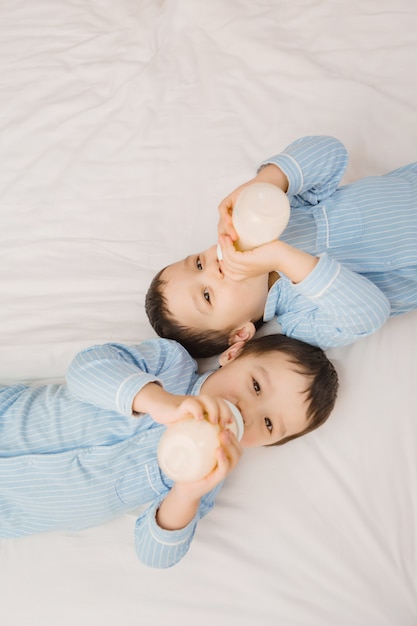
(122, 125)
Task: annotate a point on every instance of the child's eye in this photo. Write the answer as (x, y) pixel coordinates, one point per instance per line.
(256, 386)
(206, 295)
(198, 264)
(268, 424)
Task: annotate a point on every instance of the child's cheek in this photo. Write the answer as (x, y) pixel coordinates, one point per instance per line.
(248, 440)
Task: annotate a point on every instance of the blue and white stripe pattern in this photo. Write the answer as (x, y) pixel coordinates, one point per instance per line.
(73, 456)
(365, 234)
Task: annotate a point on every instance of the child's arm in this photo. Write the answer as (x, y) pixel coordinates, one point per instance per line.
(318, 300)
(148, 378)
(129, 379)
(164, 532)
(170, 525)
(332, 306)
(276, 256)
(162, 548)
(268, 173)
(309, 170)
(181, 504)
(166, 407)
(315, 299)
(111, 375)
(313, 167)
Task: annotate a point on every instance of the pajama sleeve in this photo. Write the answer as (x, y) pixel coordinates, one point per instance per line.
(314, 167)
(110, 376)
(159, 548)
(333, 306)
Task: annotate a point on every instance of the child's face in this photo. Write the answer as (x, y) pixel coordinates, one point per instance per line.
(200, 296)
(268, 392)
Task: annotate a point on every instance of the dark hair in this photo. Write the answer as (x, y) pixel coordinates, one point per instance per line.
(310, 361)
(199, 343)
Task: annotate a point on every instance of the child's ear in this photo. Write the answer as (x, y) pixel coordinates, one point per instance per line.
(244, 333)
(231, 353)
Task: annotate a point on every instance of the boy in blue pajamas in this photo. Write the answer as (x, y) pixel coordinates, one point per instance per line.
(78, 454)
(346, 261)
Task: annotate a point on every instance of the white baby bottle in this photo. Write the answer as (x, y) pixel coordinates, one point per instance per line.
(187, 449)
(260, 214)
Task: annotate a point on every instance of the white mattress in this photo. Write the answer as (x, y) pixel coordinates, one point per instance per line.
(122, 125)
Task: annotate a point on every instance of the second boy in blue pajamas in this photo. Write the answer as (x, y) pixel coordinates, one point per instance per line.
(346, 261)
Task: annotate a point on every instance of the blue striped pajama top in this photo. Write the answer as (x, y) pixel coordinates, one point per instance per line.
(73, 456)
(365, 234)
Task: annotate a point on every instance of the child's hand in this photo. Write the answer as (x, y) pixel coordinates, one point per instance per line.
(228, 456)
(182, 501)
(213, 409)
(167, 408)
(268, 174)
(225, 224)
(238, 265)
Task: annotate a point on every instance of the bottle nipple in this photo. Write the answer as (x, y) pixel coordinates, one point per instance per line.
(219, 253)
(237, 426)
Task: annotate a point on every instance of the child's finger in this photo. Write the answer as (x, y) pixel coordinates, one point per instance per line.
(225, 227)
(231, 447)
(230, 254)
(233, 262)
(192, 406)
(223, 465)
(216, 476)
(216, 411)
(225, 224)
(227, 460)
(227, 456)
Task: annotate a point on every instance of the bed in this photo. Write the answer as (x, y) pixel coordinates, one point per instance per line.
(123, 124)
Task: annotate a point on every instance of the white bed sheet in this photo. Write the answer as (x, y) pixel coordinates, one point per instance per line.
(122, 125)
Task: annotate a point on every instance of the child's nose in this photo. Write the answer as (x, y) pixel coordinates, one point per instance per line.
(215, 269)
